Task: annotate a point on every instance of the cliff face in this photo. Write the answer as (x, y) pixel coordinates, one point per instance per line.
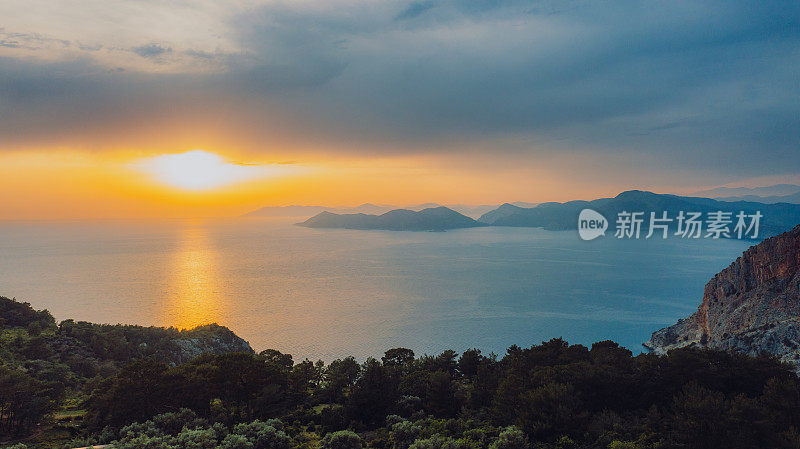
(210, 338)
(752, 306)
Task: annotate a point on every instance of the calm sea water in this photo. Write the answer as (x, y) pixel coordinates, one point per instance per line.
(331, 293)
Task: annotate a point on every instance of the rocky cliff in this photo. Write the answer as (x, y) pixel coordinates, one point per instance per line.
(210, 338)
(752, 306)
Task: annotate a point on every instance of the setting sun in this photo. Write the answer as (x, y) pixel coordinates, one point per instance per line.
(349, 224)
(198, 170)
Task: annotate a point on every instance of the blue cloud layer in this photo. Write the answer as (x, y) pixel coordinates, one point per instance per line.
(684, 83)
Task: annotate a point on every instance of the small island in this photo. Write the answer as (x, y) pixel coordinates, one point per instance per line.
(430, 219)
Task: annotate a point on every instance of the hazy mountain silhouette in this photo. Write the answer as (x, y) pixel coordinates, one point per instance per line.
(431, 219)
(470, 210)
(748, 193)
(776, 218)
(791, 199)
(305, 211)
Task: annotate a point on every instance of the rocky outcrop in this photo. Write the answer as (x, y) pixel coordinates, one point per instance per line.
(211, 338)
(753, 306)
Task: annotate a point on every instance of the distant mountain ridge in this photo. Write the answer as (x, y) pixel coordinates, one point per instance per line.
(776, 218)
(304, 211)
(779, 193)
(791, 199)
(430, 219)
(766, 191)
(470, 210)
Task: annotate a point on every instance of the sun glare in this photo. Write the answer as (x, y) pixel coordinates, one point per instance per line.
(198, 170)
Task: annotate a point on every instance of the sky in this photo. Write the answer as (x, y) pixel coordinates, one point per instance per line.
(398, 102)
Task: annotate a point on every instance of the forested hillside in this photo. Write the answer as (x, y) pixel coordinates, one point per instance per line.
(46, 367)
(126, 386)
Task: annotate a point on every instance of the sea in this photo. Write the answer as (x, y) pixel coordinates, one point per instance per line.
(329, 293)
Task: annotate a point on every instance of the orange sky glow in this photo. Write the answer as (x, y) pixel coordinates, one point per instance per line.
(66, 184)
(98, 185)
(339, 103)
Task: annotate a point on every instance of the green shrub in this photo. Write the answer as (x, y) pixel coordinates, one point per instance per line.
(264, 435)
(403, 434)
(236, 441)
(510, 438)
(343, 439)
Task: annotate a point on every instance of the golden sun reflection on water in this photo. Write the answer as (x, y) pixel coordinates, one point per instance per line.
(194, 297)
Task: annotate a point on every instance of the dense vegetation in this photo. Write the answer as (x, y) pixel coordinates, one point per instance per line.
(552, 395)
(47, 367)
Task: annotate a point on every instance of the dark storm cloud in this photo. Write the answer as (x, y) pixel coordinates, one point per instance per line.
(29, 41)
(153, 50)
(684, 83)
